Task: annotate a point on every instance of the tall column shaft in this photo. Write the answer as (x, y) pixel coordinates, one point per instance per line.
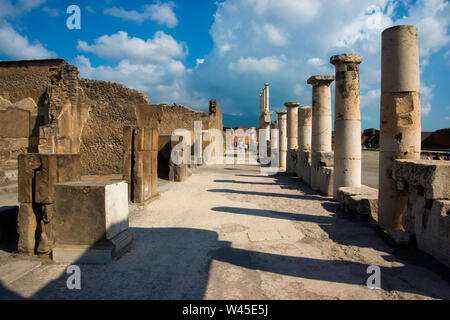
(282, 125)
(321, 123)
(266, 106)
(347, 122)
(321, 113)
(400, 126)
(292, 124)
(304, 128)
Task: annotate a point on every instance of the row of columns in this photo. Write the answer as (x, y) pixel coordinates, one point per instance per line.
(400, 128)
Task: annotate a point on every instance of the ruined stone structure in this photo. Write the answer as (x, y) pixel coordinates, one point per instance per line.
(265, 113)
(292, 133)
(38, 174)
(67, 115)
(140, 163)
(321, 153)
(304, 144)
(347, 122)
(64, 114)
(426, 215)
(400, 126)
(282, 144)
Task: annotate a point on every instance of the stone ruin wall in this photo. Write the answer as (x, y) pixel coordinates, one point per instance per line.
(47, 109)
(102, 138)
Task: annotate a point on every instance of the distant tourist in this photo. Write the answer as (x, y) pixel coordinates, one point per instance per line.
(437, 157)
(428, 156)
(447, 156)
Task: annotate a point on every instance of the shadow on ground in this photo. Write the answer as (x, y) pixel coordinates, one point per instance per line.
(175, 263)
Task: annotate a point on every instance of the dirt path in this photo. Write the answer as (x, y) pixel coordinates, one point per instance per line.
(230, 233)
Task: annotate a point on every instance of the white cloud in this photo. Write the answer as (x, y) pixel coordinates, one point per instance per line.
(162, 47)
(161, 13)
(370, 100)
(274, 35)
(250, 36)
(54, 12)
(16, 46)
(426, 96)
(263, 65)
(11, 10)
(153, 66)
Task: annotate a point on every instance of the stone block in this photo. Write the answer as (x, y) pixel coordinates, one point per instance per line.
(39, 172)
(55, 168)
(304, 166)
(322, 159)
(140, 164)
(291, 161)
(27, 164)
(26, 227)
(324, 180)
(362, 200)
(145, 175)
(90, 212)
(429, 221)
(428, 178)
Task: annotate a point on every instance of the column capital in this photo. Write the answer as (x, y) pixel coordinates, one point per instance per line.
(346, 58)
(321, 80)
(266, 85)
(292, 104)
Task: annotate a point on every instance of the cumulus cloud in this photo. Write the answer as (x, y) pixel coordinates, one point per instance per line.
(263, 65)
(162, 13)
(16, 46)
(161, 48)
(9, 9)
(153, 66)
(251, 36)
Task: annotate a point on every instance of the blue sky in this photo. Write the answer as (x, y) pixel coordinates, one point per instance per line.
(191, 51)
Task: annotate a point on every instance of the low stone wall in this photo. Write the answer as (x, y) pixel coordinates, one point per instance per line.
(291, 161)
(362, 201)
(304, 166)
(322, 172)
(427, 212)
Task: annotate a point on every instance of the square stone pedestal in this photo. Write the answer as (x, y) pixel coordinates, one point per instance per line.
(91, 221)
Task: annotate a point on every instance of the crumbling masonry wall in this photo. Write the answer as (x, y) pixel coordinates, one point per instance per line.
(427, 211)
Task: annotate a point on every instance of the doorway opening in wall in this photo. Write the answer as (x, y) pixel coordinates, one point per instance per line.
(164, 148)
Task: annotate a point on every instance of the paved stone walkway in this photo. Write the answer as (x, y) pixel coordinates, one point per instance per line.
(230, 233)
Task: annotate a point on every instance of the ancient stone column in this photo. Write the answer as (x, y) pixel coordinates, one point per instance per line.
(304, 144)
(347, 122)
(292, 124)
(400, 127)
(321, 153)
(321, 113)
(266, 90)
(304, 128)
(282, 125)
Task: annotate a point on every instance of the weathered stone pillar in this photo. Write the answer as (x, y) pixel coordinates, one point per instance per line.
(321, 113)
(304, 143)
(292, 124)
(304, 128)
(321, 153)
(266, 90)
(282, 145)
(400, 128)
(347, 122)
(140, 164)
(292, 132)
